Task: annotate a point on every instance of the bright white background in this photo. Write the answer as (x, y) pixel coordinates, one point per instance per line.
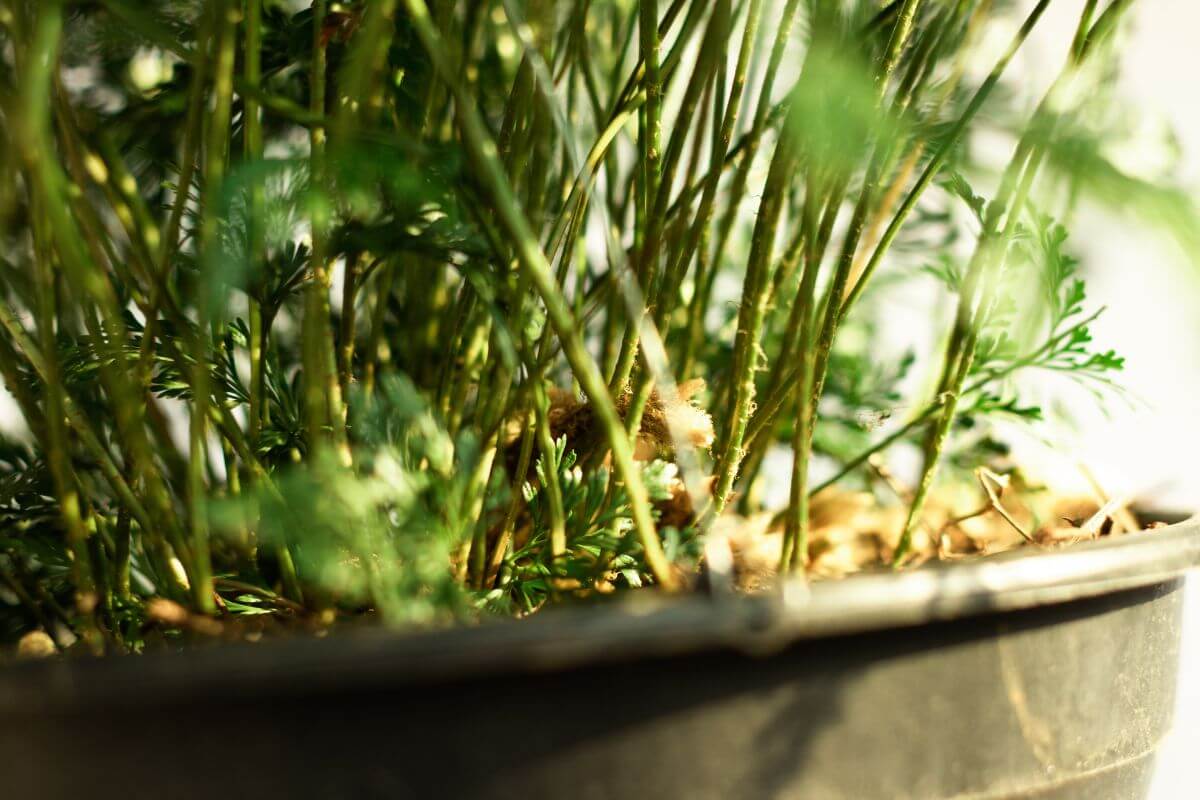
(1153, 296)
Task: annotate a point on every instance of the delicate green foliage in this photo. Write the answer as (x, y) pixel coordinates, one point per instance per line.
(598, 520)
(1047, 327)
(26, 495)
(946, 269)
(282, 305)
(987, 403)
(381, 532)
(269, 223)
(957, 185)
(862, 394)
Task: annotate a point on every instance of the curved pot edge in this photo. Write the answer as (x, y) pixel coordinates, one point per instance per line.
(645, 625)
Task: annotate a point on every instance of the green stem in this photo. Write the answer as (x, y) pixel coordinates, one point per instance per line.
(216, 159)
(750, 317)
(977, 294)
(372, 353)
(504, 541)
(345, 353)
(550, 486)
(39, 68)
(650, 172)
(533, 263)
(477, 485)
(795, 547)
(749, 148)
(325, 412)
(813, 363)
(89, 282)
(942, 155)
(82, 427)
(123, 556)
(193, 135)
(769, 408)
(57, 451)
(254, 152)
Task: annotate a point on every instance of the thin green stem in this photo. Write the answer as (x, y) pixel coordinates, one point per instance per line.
(976, 297)
(750, 317)
(770, 406)
(91, 284)
(534, 265)
(551, 488)
(942, 155)
(324, 407)
(254, 152)
(226, 17)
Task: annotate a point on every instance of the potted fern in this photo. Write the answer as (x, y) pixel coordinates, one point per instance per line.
(437, 314)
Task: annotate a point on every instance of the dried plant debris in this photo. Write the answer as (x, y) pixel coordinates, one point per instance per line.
(663, 419)
(853, 531)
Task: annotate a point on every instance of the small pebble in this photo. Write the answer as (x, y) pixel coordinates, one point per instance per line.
(36, 644)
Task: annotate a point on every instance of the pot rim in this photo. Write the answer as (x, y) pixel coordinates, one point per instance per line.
(646, 624)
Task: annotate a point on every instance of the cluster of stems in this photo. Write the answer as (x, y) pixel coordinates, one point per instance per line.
(610, 169)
